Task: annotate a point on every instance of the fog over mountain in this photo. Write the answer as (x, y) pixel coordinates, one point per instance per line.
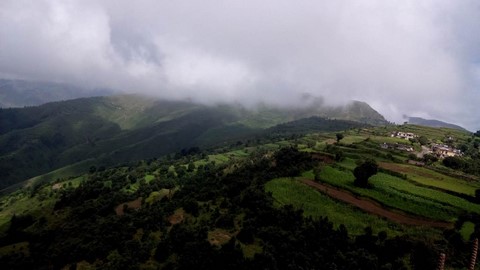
(419, 58)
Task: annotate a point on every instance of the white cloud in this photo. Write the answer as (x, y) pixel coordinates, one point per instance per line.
(403, 57)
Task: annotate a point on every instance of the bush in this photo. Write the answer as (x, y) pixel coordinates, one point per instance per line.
(364, 171)
(455, 163)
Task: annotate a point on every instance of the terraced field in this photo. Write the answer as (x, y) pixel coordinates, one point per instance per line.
(400, 194)
(431, 178)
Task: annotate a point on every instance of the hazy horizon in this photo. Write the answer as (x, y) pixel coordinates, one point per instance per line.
(419, 58)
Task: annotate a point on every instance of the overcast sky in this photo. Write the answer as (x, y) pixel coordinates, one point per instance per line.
(420, 58)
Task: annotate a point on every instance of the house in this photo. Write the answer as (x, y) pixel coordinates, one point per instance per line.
(403, 135)
(443, 151)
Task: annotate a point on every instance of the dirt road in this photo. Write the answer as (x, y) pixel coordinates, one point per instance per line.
(375, 208)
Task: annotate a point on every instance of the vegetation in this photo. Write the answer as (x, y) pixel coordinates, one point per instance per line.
(106, 131)
(363, 172)
(200, 190)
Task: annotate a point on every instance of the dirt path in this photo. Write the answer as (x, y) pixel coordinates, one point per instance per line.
(375, 208)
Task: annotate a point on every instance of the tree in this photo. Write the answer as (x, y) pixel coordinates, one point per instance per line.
(339, 137)
(455, 163)
(423, 140)
(191, 167)
(429, 159)
(477, 134)
(364, 171)
(477, 194)
(316, 171)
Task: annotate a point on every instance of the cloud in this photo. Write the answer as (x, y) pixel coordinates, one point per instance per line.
(417, 58)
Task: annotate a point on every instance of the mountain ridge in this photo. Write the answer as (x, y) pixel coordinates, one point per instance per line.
(433, 123)
(21, 93)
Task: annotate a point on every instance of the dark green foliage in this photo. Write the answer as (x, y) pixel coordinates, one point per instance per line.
(429, 158)
(454, 162)
(424, 257)
(339, 137)
(191, 206)
(338, 153)
(423, 140)
(290, 161)
(314, 124)
(364, 171)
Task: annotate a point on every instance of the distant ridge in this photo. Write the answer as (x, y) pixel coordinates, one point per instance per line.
(20, 93)
(433, 123)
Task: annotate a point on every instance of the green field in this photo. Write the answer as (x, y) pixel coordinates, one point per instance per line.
(428, 177)
(289, 191)
(397, 193)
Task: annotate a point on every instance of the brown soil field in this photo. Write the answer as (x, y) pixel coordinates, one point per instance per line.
(131, 205)
(219, 237)
(374, 207)
(177, 217)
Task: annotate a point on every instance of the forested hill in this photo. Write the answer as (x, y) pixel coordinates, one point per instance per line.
(115, 129)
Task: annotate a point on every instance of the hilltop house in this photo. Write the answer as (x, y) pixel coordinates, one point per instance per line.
(403, 135)
(443, 151)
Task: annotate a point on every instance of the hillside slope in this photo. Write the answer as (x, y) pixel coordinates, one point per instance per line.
(115, 129)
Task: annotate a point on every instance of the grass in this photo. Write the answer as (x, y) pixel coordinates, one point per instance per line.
(21, 247)
(352, 139)
(250, 250)
(20, 203)
(157, 195)
(149, 178)
(428, 177)
(400, 194)
(288, 191)
(467, 229)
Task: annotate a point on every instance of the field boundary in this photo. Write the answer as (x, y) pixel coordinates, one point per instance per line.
(374, 207)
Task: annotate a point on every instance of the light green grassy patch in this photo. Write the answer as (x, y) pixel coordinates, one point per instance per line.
(387, 139)
(467, 229)
(271, 146)
(132, 188)
(20, 203)
(76, 181)
(250, 250)
(352, 139)
(284, 143)
(149, 178)
(218, 158)
(348, 163)
(239, 153)
(157, 195)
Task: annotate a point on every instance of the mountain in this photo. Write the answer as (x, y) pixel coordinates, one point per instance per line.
(83, 132)
(433, 123)
(20, 93)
